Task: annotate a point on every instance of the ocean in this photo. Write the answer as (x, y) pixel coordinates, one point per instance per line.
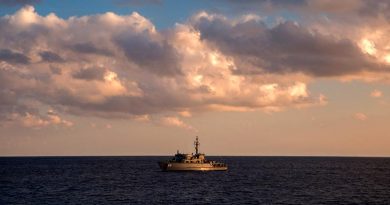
(249, 180)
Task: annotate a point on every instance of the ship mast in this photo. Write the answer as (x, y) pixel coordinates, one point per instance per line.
(196, 143)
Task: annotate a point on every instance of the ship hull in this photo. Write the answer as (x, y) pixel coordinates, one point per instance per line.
(174, 166)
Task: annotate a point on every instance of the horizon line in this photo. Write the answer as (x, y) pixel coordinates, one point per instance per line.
(314, 156)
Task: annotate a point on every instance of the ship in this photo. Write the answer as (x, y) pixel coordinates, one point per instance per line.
(192, 162)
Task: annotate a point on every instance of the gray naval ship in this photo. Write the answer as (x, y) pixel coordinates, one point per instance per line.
(191, 162)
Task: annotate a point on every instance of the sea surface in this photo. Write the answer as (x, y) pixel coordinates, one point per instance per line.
(249, 180)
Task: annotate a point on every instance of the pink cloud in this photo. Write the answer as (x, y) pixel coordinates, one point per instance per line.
(376, 93)
(360, 116)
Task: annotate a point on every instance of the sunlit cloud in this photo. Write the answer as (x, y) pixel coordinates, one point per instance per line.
(368, 47)
(36, 121)
(376, 93)
(360, 116)
(142, 118)
(185, 114)
(387, 58)
(175, 122)
(120, 66)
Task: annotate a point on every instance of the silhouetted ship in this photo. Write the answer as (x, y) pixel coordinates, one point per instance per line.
(191, 162)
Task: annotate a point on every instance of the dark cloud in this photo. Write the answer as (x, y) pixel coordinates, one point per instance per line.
(157, 57)
(12, 98)
(376, 9)
(285, 48)
(49, 56)
(92, 73)
(56, 70)
(152, 103)
(89, 48)
(18, 2)
(255, 6)
(13, 57)
(346, 10)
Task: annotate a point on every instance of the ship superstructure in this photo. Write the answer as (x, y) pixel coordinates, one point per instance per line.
(191, 162)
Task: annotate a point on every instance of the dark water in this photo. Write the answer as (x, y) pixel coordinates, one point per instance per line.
(250, 180)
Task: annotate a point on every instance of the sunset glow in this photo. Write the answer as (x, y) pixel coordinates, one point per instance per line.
(263, 78)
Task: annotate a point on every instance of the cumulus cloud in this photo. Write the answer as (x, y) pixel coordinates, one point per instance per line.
(89, 48)
(147, 53)
(114, 66)
(285, 48)
(51, 57)
(352, 8)
(13, 57)
(92, 73)
(346, 23)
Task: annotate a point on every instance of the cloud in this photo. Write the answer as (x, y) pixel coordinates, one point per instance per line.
(360, 116)
(259, 5)
(285, 48)
(92, 73)
(376, 94)
(331, 6)
(185, 114)
(175, 122)
(359, 8)
(121, 66)
(51, 57)
(157, 57)
(53, 118)
(168, 121)
(13, 57)
(142, 118)
(377, 9)
(89, 48)
(36, 121)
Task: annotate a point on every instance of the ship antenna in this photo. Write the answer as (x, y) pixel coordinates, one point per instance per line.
(196, 143)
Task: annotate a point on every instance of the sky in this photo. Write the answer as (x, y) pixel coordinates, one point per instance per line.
(132, 77)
